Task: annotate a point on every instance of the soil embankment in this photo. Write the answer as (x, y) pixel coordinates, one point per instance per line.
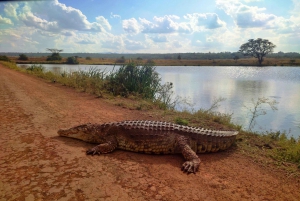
(36, 164)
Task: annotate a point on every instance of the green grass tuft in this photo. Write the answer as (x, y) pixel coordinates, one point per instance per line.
(181, 121)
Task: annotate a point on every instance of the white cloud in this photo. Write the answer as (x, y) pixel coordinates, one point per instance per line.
(112, 42)
(33, 21)
(246, 16)
(114, 16)
(205, 20)
(54, 16)
(19, 38)
(85, 42)
(131, 26)
(38, 25)
(158, 38)
(68, 33)
(209, 39)
(5, 20)
(134, 45)
(176, 44)
(166, 24)
(101, 20)
(296, 7)
(10, 10)
(46, 33)
(248, 1)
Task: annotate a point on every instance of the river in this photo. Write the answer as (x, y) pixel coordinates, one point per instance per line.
(239, 86)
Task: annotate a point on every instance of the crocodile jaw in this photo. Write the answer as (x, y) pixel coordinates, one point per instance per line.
(80, 133)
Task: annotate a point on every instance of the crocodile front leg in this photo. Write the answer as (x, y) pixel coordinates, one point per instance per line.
(104, 148)
(192, 160)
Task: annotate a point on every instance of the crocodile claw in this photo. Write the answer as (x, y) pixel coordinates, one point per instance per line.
(93, 151)
(190, 167)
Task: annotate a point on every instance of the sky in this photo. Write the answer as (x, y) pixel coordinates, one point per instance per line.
(147, 26)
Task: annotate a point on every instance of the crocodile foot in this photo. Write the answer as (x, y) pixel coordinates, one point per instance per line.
(191, 166)
(93, 151)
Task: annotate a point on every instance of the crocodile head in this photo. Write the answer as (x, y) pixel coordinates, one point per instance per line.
(85, 132)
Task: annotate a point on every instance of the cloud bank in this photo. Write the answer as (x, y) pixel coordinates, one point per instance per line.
(35, 26)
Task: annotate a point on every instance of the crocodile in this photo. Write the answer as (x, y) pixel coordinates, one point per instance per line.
(152, 137)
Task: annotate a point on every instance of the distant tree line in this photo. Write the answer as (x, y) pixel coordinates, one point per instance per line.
(192, 56)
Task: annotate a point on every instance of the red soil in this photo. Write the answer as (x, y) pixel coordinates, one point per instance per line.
(36, 164)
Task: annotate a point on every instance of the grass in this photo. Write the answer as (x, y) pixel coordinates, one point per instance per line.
(274, 147)
(91, 81)
(271, 147)
(170, 62)
(130, 79)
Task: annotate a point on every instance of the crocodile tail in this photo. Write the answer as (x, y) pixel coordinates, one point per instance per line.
(214, 143)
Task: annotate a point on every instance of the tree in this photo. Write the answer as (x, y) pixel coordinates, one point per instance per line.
(72, 60)
(121, 60)
(179, 57)
(236, 57)
(55, 54)
(292, 61)
(23, 57)
(53, 50)
(258, 48)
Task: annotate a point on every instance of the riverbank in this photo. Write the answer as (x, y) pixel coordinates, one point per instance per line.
(284, 148)
(168, 62)
(36, 164)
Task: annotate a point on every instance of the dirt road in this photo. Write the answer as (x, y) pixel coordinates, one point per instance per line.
(36, 164)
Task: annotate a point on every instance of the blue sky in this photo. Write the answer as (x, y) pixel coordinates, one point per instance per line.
(147, 26)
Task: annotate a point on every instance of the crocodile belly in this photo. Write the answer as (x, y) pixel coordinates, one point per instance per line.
(149, 142)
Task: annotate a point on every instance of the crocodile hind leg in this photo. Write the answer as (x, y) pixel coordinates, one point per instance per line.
(192, 160)
(104, 148)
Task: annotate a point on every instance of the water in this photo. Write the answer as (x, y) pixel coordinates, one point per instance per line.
(240, 86)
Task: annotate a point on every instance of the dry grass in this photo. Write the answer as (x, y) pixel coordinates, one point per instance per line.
(173, 62)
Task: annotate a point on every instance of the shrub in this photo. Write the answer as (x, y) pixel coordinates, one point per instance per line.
(4, 58)
(88, 58)
(181, 121)
(23, 57)
(136, 80)
(35, 68)
(72, 60)
(121, 60)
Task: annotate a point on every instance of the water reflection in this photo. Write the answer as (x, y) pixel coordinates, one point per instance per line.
(239, 85)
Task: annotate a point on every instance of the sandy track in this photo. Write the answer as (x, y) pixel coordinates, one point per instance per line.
(36, 164)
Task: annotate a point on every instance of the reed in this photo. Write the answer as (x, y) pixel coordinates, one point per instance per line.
(129, 79)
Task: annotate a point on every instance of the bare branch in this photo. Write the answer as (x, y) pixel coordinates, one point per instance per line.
(53, 50)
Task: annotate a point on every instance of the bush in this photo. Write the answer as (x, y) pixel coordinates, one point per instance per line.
(88, 58)
(121, 60)
(36, 68)
(4, 58)
(72, 60)
(284, 148)
(23, 57)
(136, 80)
(181, 121)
